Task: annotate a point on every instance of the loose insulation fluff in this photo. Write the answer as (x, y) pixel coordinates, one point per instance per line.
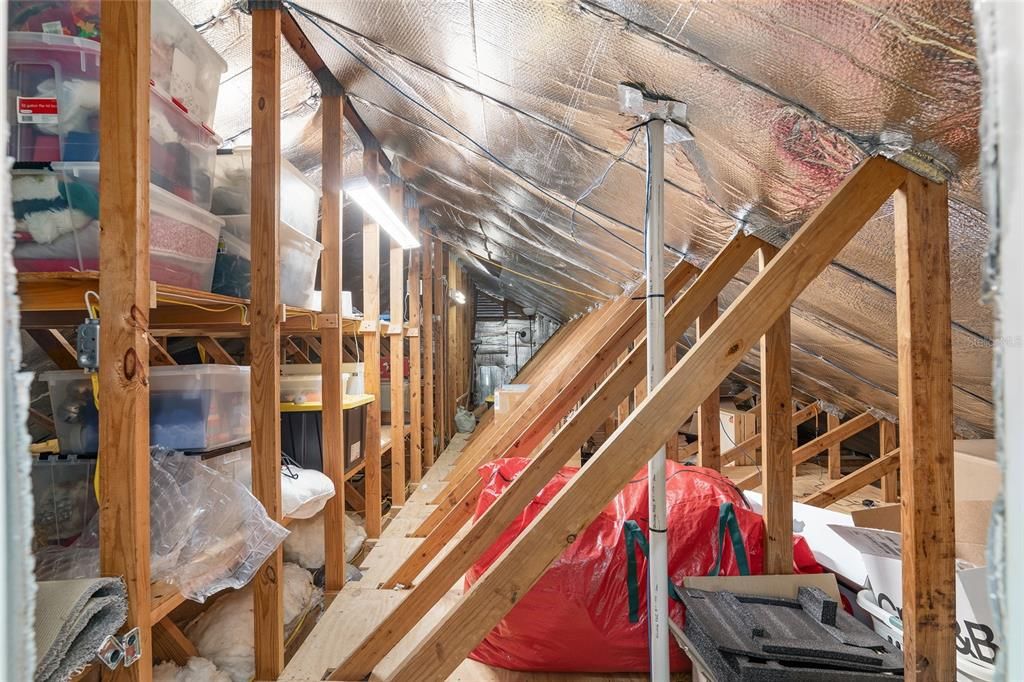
(224, 633)
(305, 544)
(196, 670)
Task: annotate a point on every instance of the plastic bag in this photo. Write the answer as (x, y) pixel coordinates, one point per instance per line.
(577, 616)
(207, 532)
(465, 422)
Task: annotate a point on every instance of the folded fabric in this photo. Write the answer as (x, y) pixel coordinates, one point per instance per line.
(73, 617)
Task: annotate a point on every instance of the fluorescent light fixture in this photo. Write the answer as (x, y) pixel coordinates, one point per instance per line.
(458, 296)
(367, 196)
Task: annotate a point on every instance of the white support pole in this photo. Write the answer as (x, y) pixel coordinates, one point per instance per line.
(657, 569)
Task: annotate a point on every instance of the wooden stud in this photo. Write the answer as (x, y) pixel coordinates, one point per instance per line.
(920, 211)
(354, 499)
(771, 293)
(816, 446)
(371, 359)
(427, 278)
(124, 291)
(854, 481)
(776, 438)
(886, 443)
(332, 145)
(53, 343)
(171, 644)
(265, 335)
(396, 341)
(835, 458)
(672, 447)
(709, 441)
(546, 463)
(749, 445)
(414, 289)
(215, 351)
(158, 355)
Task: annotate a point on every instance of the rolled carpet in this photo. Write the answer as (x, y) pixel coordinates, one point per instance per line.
(73, 617)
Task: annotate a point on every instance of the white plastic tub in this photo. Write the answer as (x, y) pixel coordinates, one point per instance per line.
(54, 83)
(890, 627)
(299, 257)
(57, 229)
(182, 63)
(192, 408)
(300, 198)
(304, 383)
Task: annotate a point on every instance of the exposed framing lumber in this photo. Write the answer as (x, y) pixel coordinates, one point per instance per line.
(170, 643)
(771, 293)
(265, 334)
(332, 144)
(415, 356)
(124, 292)
(440, 334)
(777, 438)
(921, 213)
(427, 283)
(816, 446)
(396, 347)
(354, 499)
(371, 358)
(748, 445)
(546, 464)
(214, 350)
(835, 452)
(158, 355)
(709, 440)
(854, 481)
(887, 443)
(56, 347)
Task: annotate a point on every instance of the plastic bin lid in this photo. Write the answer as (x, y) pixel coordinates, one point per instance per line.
(22, 40)
(286, 166)
(161, 201)
(219, 370)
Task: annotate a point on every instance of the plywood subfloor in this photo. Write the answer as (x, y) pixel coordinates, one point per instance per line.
(810, 478)
(359, 607)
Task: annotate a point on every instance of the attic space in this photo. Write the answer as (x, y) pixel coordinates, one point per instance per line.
(512, 340)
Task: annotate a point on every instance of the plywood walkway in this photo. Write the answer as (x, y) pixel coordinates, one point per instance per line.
(359, 607)
(810, 478)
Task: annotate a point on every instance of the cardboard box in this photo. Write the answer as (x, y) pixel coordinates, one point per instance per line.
(880, 548)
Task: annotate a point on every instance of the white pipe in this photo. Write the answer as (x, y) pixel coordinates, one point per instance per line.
(657, 568)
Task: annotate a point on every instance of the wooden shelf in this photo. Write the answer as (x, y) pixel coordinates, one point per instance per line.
(57, 299)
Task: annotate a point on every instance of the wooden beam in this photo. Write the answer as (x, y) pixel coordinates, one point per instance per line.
(371, 358)
(414, 289)
(854, 481)
(332, 143)
(923, 331)
(672, 447)
(171, 644)
(293, 349)
(886, 443)
(435, 542)
(427, 281)
(777, 439)
(439, 334)
(548, 460)
(214, 350)
(396, 339)
(158, 355)
(753, 443)
(354, 499)
(124, 292)
(265, 334)
(835, 453)
(678, 395)
(709, 427)
(56, 347)
(816, 446)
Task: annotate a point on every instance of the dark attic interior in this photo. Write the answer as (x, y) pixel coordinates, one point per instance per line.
(512, 340)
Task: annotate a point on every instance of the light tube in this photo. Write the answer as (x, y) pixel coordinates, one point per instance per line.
(370, 200)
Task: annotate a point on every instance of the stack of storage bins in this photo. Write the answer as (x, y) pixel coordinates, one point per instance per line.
(299, 249)
(53, 64)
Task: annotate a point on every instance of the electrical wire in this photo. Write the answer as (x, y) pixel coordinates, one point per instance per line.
(313, 17)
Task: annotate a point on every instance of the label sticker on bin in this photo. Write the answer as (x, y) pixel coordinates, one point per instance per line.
(37, 110)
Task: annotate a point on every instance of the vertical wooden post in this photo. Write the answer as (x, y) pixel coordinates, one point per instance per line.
(709, 448)
(396, 338)
(124, 301)
(672, 446)
(427, 279)
(777, 439)
(887, 443)
(371, 356)
(835, 460)
(415, 358)
(265, 334)
(926, 429)
(440, 336)
(332, 108)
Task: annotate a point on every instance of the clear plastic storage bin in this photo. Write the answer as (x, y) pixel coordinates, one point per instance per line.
(63, 499)
(300, 198)
(299, 257)
(302, 388)
(57, 229)
(191, 408)
(182, 63)
(53, 81)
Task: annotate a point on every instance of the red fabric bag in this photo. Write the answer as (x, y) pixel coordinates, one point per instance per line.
(576, 618)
